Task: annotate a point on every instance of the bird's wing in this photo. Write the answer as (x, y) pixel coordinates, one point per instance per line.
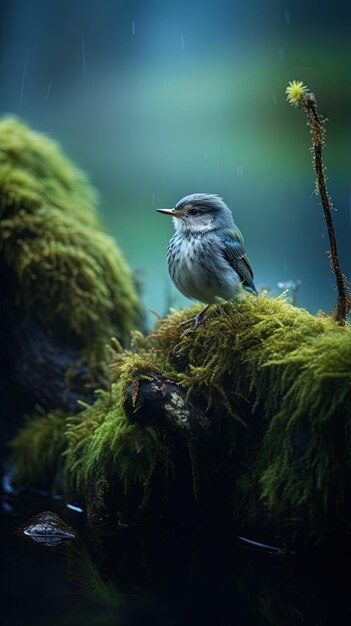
(234, 254)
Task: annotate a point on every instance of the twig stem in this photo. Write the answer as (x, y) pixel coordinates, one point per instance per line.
(317, 127)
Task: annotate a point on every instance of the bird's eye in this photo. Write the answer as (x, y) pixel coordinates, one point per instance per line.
(193, 211)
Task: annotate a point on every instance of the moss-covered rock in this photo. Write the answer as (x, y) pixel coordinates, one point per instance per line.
(274, 382)
(66, 286)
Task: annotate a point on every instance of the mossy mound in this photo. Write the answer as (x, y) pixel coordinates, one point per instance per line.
(67, 268)
(275, 382)
(60, 267)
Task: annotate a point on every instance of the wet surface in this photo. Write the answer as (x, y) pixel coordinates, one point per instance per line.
(115, 574)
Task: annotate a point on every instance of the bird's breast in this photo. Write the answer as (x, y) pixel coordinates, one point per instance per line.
(183, 255)
(198, 269)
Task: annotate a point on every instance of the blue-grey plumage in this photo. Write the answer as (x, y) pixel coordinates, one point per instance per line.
(206, 257)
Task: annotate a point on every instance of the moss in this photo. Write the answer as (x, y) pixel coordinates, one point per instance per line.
(103, 443)
(67, 272)
(307, 446)
(33, 171)
(39, 447)
(234, 356)
(275, 381)
(94, 452)
(86, 576)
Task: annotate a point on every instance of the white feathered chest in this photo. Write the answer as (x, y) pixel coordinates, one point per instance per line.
(198, 268)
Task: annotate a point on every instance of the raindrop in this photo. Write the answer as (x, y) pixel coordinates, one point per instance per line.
(7, 482)
(182, 41)
(221, 161)
(121, 524)
(133, 27)
(205, 156)
(274, 99)
(82, 45)
(264, 546)
(240, 171)
(287, 19)
(24, 71)
(6, 507)
(281, 54)
(74, 508)
(153, 198)
(48, 90)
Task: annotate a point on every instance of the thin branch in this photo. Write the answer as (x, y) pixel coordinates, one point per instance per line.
(298, 96)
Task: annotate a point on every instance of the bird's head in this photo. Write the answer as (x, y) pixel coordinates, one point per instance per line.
(200, 213)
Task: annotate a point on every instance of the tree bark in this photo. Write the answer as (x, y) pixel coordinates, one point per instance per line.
(164, 402)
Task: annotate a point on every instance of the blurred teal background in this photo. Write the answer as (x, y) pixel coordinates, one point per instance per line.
(158, 99)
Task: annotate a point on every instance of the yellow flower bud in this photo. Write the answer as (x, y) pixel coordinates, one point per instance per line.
(295, 91)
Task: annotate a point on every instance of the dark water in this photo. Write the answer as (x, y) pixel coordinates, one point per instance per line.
(122, 575)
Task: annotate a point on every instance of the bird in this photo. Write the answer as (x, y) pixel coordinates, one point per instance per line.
(206, 257)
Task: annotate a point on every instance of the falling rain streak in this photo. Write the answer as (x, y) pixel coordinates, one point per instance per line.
(22, 82)
(133, 27)
(182, 45)
(82, 46)
(287, 17)
(221, 164)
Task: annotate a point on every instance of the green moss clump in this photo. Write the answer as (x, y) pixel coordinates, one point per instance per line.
(314, 419)
(104, 448)
(67, 272)
(276, 383)
(242, 352)
(93, 453)
(40, 446)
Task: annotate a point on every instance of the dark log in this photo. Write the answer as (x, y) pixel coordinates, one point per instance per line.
(164, 402)
(46, 367)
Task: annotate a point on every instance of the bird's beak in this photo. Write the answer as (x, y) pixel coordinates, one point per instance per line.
(171, 212)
